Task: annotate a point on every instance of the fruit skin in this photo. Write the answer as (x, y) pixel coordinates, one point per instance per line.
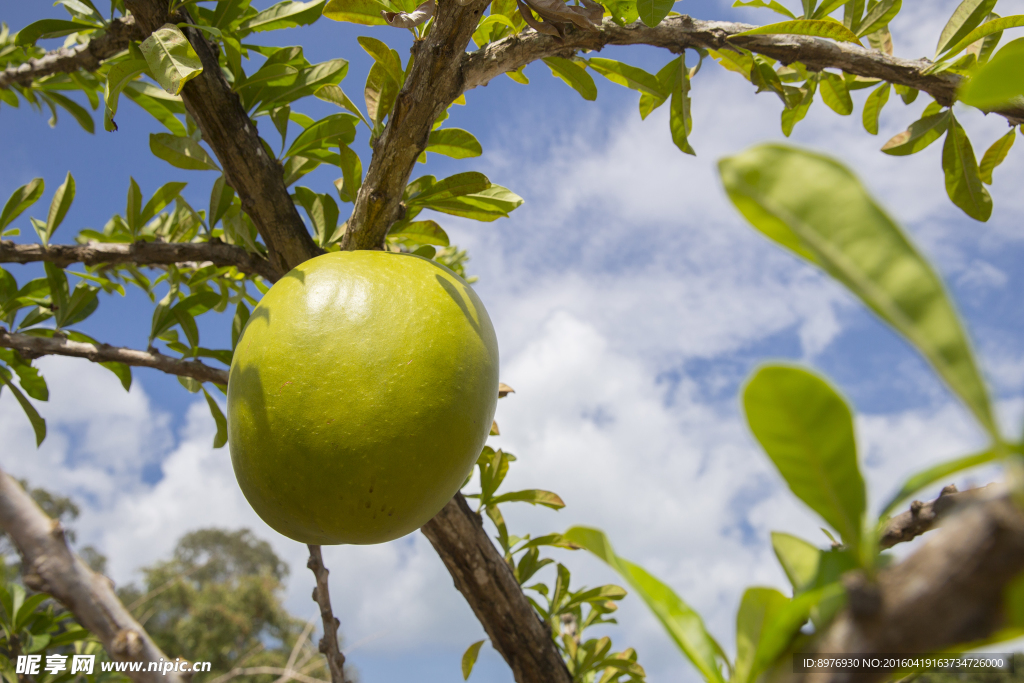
(361, 393)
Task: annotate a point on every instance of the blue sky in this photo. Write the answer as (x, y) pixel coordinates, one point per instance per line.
(630, 301)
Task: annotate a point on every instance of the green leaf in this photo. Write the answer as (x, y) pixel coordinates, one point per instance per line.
(459, 184)
(29, 378)
(24, 197)
(828, 7)
(939, 472)
(793, 115)
(799, 559)
(158, 104)
(172, 60)
(680, 120)
(995, 156)
(285, 14)
(352, 175)
(817, 208)
(987, 29)
(873, 107)
(963, 178)
(819, 28)
(879, 16)
(965, 19)
(38, 423)
(335, 95)
(835, 93)
(133, 207)
(385, 56)
(486, 205)
(221, 437)
(181, 152)
(167, 193)
(120, 75)
(628, 76)
(421, 232)
(455, 143)
(651, 12)
(79, 112)
(666, 77)
(997, 82)
(533, 497)
(123, 372)
(921, 133)
(59, 206)
(49, 28)
(221, 198)
(758, 609)
(330, 131)
(769, 4)
(682, 623)
(469, 658)
(806, 429)
(238, 323)
(365, 12)
(574, 75)
(379, 94)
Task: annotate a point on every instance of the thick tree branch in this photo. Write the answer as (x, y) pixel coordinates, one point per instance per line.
(86, 57)
(33, 347)
(481, 574)
(52, 568)
(436, 80)
(679, 33)
(322, 597)
(256, 177)
(142, 254)
(947, 593)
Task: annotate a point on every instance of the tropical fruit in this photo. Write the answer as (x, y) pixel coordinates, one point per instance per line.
(360, 396)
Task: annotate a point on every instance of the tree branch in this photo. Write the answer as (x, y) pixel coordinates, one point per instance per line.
(679, 33)
(482, 575)
(256, 177)
(33, 347)
(436, 80)
(52, 568)
(322, 597)
(142, 254)
(86, 57)
(947, 593)
(922, 517)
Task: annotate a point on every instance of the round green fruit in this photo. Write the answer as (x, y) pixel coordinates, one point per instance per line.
(361, 393)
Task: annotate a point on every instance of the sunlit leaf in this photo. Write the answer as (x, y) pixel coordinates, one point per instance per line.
(181, 152)
(469, 658)
(172, 60)
(999, 81)
(994, 156)
(963, 178)
(22, 198)
(574, 75)
(967, 16)
(819, 28)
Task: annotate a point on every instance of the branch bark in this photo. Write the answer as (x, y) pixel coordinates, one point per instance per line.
(52, 568)
(87, 57)
(436, 80)
(481, 574)
(947, 593)
(142, 254)
(231, 134)
(322, 597)
(923, 517)
(33, 347)
(679, 33)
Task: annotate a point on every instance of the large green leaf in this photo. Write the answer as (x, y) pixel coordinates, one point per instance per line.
(22, 198)
(574, 75)
(285, 14)
(758, 609)
(999, 81)
(921, 133)
(807, 430)
(682, 623)
(819, 28)
(331, 131)
(879, 16)
(987, 29)
(421, 232)
(680, 120)
(631, 77)
(172, 60)
(181, 152)
(963, 178)
(366, 12)
(835, 93)
(455, 143)
(651, 12)
(49, 28)
(817, 208)
(799, 559)
(967, 16)
(873, 107)
(120, 75)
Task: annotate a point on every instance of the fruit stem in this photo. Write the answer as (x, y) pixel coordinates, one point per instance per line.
(322, 596)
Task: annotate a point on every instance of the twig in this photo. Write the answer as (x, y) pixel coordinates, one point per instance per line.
(33, 347)
(679, 33)
(87, 57)
(922, 517)
(51, 567)
(322, 597)
(142, 254)
(298, 647)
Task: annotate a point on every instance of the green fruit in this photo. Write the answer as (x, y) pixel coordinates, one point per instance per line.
(360, 396)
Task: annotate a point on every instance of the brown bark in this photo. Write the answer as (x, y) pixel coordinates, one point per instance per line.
(481, 574)
(322, 597)
(87, 57)
(947, 593)
(51, 567)
(922, 517)
(33, 347)
(140, 253)
(679, 33)
(233, 137)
